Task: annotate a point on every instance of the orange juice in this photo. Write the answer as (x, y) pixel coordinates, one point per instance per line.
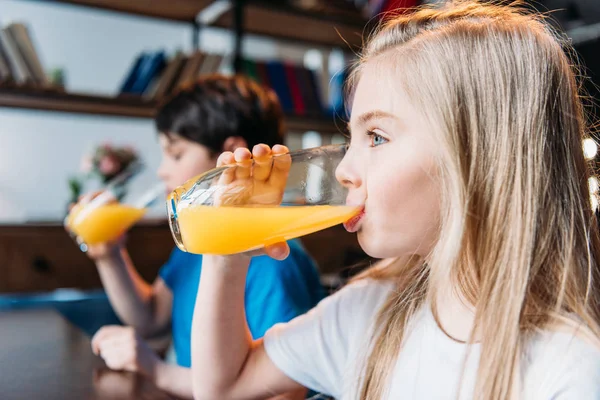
(105, 223)
(229, 230)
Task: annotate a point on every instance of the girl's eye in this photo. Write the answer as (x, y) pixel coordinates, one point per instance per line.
(176, 156)
(376, 139)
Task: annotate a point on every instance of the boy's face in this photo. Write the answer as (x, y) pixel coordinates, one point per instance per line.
(182, 160)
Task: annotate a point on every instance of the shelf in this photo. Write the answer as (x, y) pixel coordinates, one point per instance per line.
(322, 124)
(319, 27)
(176, 10)
(125, 107)
(298, 25)
(75, 103)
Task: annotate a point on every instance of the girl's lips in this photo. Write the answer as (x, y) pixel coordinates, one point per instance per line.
(352, 224)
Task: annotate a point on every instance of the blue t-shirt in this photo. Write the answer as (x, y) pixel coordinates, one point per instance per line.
(276, 291)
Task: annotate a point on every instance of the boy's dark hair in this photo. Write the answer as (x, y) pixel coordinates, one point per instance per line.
(217, 107)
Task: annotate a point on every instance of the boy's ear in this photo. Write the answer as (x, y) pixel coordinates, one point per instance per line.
(234, 142)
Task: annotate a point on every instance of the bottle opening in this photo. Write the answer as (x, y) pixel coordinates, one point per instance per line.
(173, 220)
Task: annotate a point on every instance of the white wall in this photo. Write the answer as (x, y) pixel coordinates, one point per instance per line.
(39, 150)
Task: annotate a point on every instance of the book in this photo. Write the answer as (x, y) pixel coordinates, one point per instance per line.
(261, 69)
(150, 91)
(169, 76)
(217, 63)
(5, 74)
(211, 64)
(316, 90)
(205, 66)
(336, 92)
(249, 68)
(279, 84)
(22, 37)
(17, 66)
(133, 72)
(190, 70)
(148, 70)
(294, 86)
(397, 6)
(311, 100)
(322, 87)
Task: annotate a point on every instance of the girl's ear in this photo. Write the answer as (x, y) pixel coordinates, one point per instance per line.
(234, 142)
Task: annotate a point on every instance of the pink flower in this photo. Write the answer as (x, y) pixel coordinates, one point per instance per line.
(109, 165)
(86, 164)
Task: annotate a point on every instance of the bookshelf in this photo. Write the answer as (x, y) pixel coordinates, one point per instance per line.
(321, 27)
(318, 27)
(127, 106)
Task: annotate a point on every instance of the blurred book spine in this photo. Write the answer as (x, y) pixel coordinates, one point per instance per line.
(153, 76)
(300, 90)
(20, 62)
(355, 9)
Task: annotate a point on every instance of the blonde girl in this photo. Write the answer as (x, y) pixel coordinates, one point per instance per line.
(466, 160)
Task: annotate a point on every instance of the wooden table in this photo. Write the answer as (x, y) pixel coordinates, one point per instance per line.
(42, 356)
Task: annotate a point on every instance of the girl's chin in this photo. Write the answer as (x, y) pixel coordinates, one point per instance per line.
(374, 247)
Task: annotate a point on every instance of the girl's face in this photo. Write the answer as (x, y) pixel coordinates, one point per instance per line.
(182, 160)
(390, 170)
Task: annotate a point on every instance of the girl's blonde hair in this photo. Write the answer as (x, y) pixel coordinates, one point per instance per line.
(518, 237)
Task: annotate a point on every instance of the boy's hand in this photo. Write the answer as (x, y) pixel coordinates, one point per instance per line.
(107, 250)
(122, 349)
(99, 251)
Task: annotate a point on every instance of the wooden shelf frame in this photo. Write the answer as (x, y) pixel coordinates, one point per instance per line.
(297, 26)
(293, 24)
(173, 10)
(127, 107)
(75, 103)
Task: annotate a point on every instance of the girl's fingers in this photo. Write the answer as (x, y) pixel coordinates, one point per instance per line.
(228, 175)
(263, 162)
(225, 158)
(242, 154)
(269, 167)
(243, 159)
(281, 166)
(279, 149)
(278, 251)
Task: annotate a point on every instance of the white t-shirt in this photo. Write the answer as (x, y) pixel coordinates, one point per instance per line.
(325, 350)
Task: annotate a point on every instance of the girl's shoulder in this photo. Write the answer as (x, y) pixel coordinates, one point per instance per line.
(367, 293)
(563, 362)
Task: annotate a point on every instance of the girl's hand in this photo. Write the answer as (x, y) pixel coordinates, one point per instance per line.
(260, 183)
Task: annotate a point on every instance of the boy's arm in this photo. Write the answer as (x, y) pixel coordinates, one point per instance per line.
(145, 307)
(124, 350)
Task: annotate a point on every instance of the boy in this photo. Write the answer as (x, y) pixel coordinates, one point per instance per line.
(215, 114)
